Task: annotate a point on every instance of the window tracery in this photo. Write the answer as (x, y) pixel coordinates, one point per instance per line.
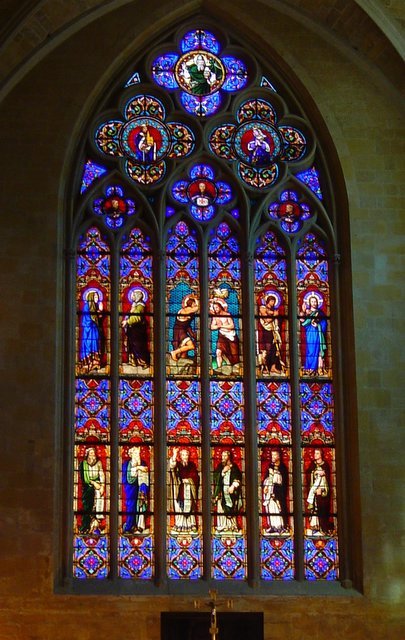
(179, 334)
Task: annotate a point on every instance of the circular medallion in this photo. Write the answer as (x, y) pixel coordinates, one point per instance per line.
(114, 206)
(202, 192)
(145, 139)
(289, 211)
(200, 73)
(257, 143)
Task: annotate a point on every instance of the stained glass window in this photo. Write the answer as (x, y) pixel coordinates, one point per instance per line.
(91, 557)
(227, 413)
(203, 422)
(184, 432)
(136, 408)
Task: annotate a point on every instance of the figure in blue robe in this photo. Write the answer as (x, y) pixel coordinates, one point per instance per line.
(92, 339)
(135, 479)
(315, 325)
(259, 148)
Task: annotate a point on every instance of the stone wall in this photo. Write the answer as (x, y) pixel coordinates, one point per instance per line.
(40, 119)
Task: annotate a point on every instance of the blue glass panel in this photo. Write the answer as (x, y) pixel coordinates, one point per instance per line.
(184, 555)
(93, 254)
(135, 557)
(317, 417)
(91, 172)
(274, 411)
(277, 559)
(224, 192)
(227, 415)
(199, 39)
(183, 411)
(136, 254)
(92, 410)
(163, 71)
(201, 105)
(311, 179)
(91, 557)
(179, 191)
(236, 74)
(203, 214)
(321, 559)
(202, 171)
(229, 558)
(136, 410)
(181, 248)
(289, 195)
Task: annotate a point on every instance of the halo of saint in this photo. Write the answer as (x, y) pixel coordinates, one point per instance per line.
(313, 293)
(264, 296)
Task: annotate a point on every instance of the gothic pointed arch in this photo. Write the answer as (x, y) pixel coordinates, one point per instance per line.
(207, 374)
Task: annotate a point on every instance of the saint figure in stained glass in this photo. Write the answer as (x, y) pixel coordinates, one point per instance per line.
(93, 483)
(227, 493)
(92, 338)
(314, 322)
(184, 336)
(200, 73)
(185, 482)
(136, 329)
(269, 336)
(135, 479)
(227, 344)
(145, 145)
(201, 193)
(275, 490)
(259, 147)
(318, 478)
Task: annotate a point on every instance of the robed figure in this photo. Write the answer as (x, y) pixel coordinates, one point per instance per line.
(136, 328)
(314, 323)
(135, 480)
(275, 490)
(227, 493)
(92, 343)
(318, 479)
(185, 482)
(92, 478)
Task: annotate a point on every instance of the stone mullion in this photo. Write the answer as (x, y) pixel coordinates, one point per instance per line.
(295, 420)
(159, 434)
(114, 424)
(70, 373)
(251, 457)
(205, 413)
